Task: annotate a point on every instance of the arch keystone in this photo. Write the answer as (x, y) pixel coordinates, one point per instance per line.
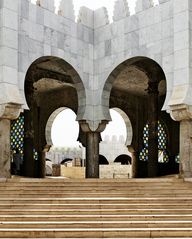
(121, 10)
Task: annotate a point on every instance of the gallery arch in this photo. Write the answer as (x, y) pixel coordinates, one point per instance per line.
(138, 87)
(50, 84)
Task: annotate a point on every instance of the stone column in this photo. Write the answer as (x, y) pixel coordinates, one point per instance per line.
(92, 149)
(183, 113)
(8, 112)
(29, 162)
(185, 167)
(92, 154)
(153, 129)
(5, 148)
(134, 161)
(42, 164)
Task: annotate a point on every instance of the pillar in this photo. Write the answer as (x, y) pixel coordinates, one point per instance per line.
(182, 113)
(29, 162)
(5, 158)
(42, 164)
(92, 154)
(134, 161)
(92, 148)
(185, 148)
(8, 112)
(153, 129)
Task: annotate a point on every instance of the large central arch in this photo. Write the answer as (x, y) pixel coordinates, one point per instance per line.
(138, 87)
(51, 83)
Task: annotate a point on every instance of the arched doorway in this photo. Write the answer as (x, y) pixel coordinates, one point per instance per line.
(123, 159)
(138, 87)
(50, 83)
(103, 160)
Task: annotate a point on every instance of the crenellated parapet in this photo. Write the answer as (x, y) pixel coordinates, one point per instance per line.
(66, 9)
(47, 4)
(121, 10)
(86, 17)
(101, 17)
(142, 5)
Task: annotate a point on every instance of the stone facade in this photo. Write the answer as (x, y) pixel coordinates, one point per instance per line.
(93, 53)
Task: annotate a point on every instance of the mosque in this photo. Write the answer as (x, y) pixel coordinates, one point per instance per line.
(139, 65)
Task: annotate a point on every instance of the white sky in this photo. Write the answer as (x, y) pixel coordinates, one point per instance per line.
(94, 4)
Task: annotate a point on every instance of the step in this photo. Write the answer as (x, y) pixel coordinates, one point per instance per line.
(96, 233)
(95, 224)
(95, 206)
(98, 217)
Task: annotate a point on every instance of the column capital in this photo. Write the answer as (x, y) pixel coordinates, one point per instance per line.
(10, 111)
(181, 112)
(85, 126)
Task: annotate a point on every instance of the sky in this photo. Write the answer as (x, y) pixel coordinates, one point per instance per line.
(94, 4)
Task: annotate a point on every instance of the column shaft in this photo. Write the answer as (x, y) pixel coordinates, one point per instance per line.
(153, 131)
(186, 148)
(5, 162)
(92, 154)
(29, 162)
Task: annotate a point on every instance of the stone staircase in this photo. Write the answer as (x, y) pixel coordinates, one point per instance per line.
(95, 208)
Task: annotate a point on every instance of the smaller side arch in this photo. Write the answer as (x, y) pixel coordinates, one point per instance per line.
(50, 123)
(103, 160)
(123, 159)
(129, 129)
(66, 160)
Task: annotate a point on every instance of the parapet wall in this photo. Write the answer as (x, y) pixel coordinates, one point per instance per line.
(94, 47)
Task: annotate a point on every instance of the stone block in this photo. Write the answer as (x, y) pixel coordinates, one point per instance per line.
(24, 9)
(86, 17)
(167, 28)
(121, 10)
(181, 21)
(8, 57)
(9, 19)
(23, 62)
(181, 40)
(39, 16)
(166, 11)
(9, 93)
(181, 59)
(66, 9)
(108, 47)
(8, 75)
(167, 46)
(9, 38)
(163, 1)
(168, 63)
(181, 76)
(181, 6)
(101, 17)
(10, 4)
(131, 24)
(33, 12)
